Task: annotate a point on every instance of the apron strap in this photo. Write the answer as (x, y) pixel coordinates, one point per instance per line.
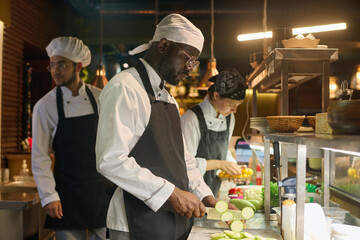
(145, 80)
(228, 118)
(200, 116)
(92, 100)
(59, 103)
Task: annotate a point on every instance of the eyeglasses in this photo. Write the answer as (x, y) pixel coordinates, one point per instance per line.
(192, 63)
(61, 66)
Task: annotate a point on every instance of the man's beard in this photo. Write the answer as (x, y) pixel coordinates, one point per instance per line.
(71, 80)
(168, 73)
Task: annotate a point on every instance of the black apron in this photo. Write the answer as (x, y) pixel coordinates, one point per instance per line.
(160, 149)
(212, 145)
(84, 193)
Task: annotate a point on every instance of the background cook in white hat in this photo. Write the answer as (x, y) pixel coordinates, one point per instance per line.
(65, 121)
(140, 146)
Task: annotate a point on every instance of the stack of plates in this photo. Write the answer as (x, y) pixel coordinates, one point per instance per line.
(260, 124)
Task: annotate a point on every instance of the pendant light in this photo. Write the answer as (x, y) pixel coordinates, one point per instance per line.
(211, 65)
(100, 80)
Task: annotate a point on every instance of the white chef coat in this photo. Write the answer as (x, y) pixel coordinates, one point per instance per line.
(44, 124)
(124, 114)
(191, 130)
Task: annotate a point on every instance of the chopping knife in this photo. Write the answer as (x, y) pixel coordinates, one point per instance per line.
(215, 215)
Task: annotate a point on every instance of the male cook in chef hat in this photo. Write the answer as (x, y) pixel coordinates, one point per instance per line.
(177, 29)
(66, 197)
(71, 48)
(172, 53)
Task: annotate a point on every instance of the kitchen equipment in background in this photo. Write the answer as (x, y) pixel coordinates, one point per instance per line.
(344, 116)
(278, 166)
(344, 232)
(279, 34)
(260, 124)
(344, 93)
(289, 185)
(315, 163)
(256, 58)
(285, 124)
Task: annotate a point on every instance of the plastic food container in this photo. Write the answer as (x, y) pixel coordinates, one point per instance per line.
(336, 214)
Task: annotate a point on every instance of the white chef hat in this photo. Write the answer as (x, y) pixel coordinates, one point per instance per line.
(71, 48)
(176, 28)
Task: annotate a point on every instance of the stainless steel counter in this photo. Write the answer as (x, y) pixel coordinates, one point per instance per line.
(203, 228)
(19, 214)
(18, 201)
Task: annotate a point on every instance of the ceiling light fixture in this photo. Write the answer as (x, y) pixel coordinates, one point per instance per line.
(100, 80)
(211, 65)
(295, 31)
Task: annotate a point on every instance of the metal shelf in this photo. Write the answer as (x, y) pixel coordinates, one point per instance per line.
(286, 68)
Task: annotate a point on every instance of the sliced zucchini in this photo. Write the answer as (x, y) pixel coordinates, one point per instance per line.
(248, 235)
(247, 213)
(226, 216)
(232, 234)
(237, 226)
(218, 236)
(221, 206)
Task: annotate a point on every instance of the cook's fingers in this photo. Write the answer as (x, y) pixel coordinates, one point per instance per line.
(189, 214)
(60, 212)
(196, 213)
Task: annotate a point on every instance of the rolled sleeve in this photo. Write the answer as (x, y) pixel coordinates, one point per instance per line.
(160, 197)
(50, 198)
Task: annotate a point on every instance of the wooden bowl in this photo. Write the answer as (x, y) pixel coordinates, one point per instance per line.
(285, 124)
(344, 116)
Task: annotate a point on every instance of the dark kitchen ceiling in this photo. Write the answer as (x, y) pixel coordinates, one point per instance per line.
(127, 24)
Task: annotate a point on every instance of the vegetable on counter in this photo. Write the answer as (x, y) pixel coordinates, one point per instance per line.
(233, 235)
(236, 192)
(274, 194)
(241, 204)
(245, 172)
(255, 196)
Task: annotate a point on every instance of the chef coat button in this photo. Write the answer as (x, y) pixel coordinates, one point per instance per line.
(210, 122)
(85, 99)
(159, 94)
(222, 121)
(68, 102)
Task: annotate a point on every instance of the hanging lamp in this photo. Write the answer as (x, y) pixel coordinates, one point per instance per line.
(100, 79)
(211, 65)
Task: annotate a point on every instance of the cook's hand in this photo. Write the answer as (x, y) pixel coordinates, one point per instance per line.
(232, 206)
(54, 209)
(230, 167)
(209, 201)
(186, 204)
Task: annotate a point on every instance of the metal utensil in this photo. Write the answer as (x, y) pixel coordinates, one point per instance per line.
(215, 215)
